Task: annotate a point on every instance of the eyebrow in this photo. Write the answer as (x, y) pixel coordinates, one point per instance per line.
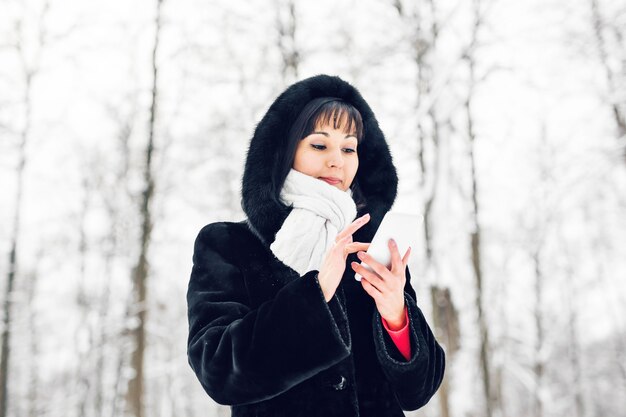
(327, 135)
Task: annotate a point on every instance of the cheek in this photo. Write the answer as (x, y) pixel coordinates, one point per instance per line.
(304, 162)
(351, 168)
(354, 166)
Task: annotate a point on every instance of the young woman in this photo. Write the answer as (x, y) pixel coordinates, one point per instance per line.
(278, 325)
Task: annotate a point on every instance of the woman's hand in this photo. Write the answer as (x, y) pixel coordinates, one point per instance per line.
(334, 263)
(384, 285)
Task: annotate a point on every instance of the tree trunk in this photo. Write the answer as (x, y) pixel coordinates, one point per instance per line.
(612, 84)
(575, 351)
(490, 396)
(475, 249)
(135, 392)
(13, 253)
(34, 351)
(287, 41)
(84, 370)
(538, 366)
(29, 69)
(446, 321)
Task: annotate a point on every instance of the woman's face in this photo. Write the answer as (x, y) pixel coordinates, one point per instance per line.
(328, 154)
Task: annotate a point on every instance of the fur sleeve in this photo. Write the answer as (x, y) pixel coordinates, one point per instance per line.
(414, 381)
(243, 355)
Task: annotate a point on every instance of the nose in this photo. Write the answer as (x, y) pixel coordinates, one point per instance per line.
(335, 159)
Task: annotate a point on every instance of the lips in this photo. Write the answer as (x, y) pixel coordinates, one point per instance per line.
(331, 180)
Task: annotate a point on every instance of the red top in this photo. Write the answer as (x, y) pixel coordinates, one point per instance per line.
(401, 337)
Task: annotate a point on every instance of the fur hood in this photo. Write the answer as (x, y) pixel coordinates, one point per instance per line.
(376, 175)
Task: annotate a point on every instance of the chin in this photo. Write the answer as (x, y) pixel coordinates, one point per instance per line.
(340, 185)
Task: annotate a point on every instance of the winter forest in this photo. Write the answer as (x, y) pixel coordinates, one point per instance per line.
(124, 127)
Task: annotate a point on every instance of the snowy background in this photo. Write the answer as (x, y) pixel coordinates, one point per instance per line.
(506, 120)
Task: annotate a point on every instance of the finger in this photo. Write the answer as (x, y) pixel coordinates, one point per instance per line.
(357, 246)
(379, 268)
(396, 262)
(341, 243)
(372, 277)
(370, 289)
(405, 258)
(352, 247)
(354, 226)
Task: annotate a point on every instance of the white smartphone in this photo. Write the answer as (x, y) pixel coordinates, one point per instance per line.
(404, 228)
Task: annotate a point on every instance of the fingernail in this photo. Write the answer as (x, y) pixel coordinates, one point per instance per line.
(393, 242)
(359, 254)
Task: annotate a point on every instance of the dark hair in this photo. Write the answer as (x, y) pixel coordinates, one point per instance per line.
(319, 111)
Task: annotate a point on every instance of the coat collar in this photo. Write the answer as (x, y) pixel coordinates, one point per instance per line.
(376, 175)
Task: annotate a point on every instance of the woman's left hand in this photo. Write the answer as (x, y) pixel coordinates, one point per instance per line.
(384, 285)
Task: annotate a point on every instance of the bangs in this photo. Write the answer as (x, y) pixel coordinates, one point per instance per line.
(340, 115)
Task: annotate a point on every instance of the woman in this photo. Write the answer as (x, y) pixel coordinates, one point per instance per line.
(278, 325)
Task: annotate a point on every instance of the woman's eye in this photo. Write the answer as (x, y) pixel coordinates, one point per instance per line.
(322, 147)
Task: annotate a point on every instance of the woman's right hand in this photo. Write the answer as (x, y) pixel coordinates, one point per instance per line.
(334, 263)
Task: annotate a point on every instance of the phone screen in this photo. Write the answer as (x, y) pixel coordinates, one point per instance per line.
(404, 228)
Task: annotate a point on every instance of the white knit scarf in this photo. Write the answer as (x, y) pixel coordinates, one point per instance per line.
(320, 211)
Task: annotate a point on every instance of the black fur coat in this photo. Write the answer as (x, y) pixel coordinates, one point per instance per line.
(262, 338)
